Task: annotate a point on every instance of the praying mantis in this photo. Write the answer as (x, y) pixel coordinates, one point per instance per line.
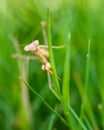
(42, 54)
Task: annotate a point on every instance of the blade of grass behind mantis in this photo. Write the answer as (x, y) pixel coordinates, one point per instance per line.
(52, 61)
(84, 98)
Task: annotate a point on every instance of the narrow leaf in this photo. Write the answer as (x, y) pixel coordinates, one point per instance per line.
(86, 105)
(66, 73)
(52, 61)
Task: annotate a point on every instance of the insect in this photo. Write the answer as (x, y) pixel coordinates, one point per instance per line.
(42, 54)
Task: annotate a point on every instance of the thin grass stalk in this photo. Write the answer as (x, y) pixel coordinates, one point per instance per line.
(43, 25)
(42, 99)
(52, 61)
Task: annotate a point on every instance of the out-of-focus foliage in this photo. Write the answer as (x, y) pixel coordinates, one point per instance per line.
(20, 22)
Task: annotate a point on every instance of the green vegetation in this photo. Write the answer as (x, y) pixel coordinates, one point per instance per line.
(31, 99)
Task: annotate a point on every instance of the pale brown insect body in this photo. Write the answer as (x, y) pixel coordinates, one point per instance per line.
(41, 54)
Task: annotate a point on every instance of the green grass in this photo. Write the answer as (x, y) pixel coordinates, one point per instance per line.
(77, 100)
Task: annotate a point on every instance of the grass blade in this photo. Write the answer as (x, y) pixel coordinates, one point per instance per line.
(86, 106)
(52, 61)
(86, 82)
(66, 73)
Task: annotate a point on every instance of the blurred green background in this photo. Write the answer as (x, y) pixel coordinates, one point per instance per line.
(20, 24)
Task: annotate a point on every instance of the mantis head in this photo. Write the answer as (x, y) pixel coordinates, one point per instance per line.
(32, 46)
